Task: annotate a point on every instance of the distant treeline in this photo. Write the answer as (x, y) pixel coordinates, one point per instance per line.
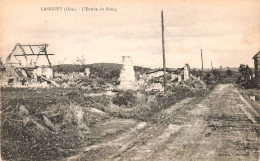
(102, 70)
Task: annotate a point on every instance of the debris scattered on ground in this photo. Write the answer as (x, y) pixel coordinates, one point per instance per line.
(61, 112)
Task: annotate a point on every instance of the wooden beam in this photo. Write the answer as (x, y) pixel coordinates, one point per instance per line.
(21, 47)
(31, 49)
(47, 55)
(12, 63)
(36, 45)
(11, 54)
(33, 54)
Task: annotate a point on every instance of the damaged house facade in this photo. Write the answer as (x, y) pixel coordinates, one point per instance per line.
(152, 80)
(22, 65)
(257, 66)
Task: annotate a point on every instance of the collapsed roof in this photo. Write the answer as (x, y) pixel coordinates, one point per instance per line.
(28, 55)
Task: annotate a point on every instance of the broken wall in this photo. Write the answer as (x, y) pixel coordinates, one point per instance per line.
(87, 72)
(186, 72)
(48, 72)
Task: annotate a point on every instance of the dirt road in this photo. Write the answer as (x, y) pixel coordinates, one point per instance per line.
(223, 126)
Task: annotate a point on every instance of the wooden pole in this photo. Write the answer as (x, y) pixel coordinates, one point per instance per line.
(211, 65)
(163, 52)
(201, 60)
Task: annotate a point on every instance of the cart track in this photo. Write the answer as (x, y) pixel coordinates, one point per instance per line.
(222, 126)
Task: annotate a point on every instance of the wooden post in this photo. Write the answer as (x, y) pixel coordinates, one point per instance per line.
(211, 65)
(201, 60)
(45, 51)
(163, 52)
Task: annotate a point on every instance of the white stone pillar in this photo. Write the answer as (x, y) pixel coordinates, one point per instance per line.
(127, 75)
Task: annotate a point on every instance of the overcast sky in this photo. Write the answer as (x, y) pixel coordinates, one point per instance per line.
(227, 31)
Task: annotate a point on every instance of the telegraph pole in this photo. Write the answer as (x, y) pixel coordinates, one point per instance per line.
(163, 52)
(201, 60)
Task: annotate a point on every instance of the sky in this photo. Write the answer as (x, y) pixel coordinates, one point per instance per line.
(227, 31)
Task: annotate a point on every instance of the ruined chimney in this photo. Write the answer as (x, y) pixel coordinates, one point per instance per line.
(186, 72)
(127, 75)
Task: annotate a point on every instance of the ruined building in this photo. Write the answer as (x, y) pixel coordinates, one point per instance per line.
(257, 66)
(22, 64)
(127, 75)
(154, 78)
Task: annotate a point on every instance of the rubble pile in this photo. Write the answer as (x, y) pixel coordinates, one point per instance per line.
(153, 81)
(193, 83)
(23, 78)
(45, 78)
(68, 80)
(101, 77)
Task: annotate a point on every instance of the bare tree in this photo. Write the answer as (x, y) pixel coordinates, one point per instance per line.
(59, 65)
(81, 60)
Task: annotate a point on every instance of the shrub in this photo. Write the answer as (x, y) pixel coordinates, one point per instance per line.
(30, 136)
(100, 81)
(127, 98)
(74, 115)
(173, 95)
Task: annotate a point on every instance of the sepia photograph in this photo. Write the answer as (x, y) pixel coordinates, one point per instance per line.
(140, 80)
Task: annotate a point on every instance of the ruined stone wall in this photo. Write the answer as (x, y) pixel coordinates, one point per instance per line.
(186, 72)
(127, 75)
(48, 72)
(87, 72)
